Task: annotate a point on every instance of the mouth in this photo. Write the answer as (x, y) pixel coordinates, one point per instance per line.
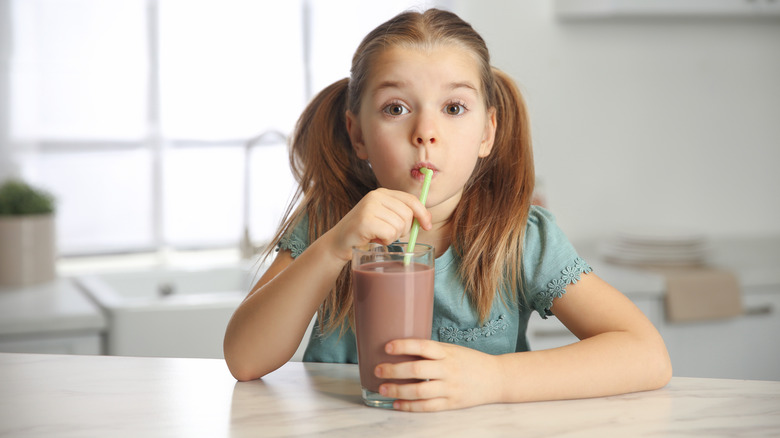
(416, 174)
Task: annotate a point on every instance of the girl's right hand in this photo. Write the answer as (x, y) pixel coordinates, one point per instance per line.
(382, 216)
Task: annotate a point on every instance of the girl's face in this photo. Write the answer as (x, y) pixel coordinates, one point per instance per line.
(423, 109)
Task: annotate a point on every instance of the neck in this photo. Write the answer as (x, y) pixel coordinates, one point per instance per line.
(439, 236)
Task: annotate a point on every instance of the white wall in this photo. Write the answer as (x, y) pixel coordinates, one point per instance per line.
(7, 167)
(660, 122)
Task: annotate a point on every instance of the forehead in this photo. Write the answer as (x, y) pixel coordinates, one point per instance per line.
(429, 68)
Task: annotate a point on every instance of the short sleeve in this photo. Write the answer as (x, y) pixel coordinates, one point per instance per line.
(297, 239)
(550, 262)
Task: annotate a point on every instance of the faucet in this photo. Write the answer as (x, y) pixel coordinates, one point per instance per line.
(247, 248)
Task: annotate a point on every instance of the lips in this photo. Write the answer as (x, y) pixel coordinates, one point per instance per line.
(416, 174)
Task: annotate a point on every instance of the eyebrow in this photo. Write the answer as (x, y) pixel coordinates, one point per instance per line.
(387, 84)
(469, 85)
(399, 84)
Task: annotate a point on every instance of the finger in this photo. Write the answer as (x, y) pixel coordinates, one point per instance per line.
(390, 214)
(414, 391)
(375, 221)
(396, 215)
(419, 211)
(383, 232)
(416, 347)
(414, 369)
(429, 405)
(411, 202)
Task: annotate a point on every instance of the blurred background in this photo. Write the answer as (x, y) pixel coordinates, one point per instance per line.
(159, 126)
(138, 114)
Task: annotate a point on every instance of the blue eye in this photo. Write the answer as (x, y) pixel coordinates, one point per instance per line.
(454, 109)
(395, 109)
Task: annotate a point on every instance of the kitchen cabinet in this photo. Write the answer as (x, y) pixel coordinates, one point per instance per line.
(589, 9)
(53, 343)
(53, 317)
(744, 347)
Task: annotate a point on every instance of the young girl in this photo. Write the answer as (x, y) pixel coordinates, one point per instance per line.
(422, 93)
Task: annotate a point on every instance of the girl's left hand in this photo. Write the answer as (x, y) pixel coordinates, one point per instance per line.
(454, 377)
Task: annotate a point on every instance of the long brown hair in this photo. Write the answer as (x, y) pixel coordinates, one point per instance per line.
(489, 223)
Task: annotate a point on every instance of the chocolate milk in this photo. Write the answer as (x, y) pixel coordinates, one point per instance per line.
(392, 301)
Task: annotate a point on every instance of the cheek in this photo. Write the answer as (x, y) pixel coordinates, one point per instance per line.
(384, 143)
(387, 160)
(466, 168)
(466, 145)
(382, 151)
(463, 159)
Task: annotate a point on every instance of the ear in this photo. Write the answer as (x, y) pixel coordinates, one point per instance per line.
(356, 135)
(489, 135)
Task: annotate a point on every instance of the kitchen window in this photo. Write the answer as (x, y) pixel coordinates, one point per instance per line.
(137, 114)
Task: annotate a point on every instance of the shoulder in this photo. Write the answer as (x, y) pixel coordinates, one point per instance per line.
(542, 231)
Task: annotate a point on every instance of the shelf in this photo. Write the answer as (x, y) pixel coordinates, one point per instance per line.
(592, 9)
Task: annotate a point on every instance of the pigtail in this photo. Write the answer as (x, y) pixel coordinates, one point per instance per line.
(489, 223)
(331, 180)
(323, 162)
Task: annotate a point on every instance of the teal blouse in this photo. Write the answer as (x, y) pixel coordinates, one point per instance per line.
(550, 263)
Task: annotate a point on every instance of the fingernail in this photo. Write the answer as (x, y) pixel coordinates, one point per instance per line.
(383, 391)
(388, 348)
(378, 371)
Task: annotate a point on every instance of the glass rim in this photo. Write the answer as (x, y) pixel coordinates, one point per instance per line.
(369, 248)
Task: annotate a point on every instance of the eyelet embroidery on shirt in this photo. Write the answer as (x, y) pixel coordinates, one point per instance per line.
(295, 246)
(557, 287)
(450, 334)
(490, 328)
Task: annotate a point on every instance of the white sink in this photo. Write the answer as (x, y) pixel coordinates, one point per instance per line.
(169, 312)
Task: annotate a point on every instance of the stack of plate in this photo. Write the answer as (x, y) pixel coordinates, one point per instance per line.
(656, 248)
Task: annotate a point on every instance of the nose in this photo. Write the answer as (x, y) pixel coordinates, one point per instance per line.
(425, 131)
(422, 140)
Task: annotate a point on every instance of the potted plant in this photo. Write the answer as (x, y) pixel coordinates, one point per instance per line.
(27, 247)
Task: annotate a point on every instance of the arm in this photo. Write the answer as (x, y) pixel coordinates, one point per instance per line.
(268, 325)
(619, 351)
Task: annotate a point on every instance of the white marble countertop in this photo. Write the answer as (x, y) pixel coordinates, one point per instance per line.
(56, 306)
(100, 396)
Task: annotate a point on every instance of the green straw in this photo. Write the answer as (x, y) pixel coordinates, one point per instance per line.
(416, 225)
